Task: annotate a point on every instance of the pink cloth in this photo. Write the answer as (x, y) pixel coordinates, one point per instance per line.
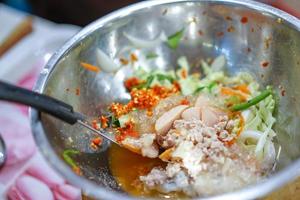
(26, 175)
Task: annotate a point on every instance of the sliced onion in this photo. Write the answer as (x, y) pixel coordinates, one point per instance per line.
(262, 141)
(269, 153)
(105, 62)
(249, 134)
(141, 43)
(219, 63)
(246, 114)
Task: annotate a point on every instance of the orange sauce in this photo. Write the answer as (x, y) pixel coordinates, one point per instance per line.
(126, 167)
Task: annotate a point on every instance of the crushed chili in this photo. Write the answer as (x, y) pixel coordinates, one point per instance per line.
(127, 130)
(104, 121)
(96, 142)
(95, 125)
(143, 99)
(184, 102)
(149, 113)
(244, 20)
(132, 82)
(265, 64)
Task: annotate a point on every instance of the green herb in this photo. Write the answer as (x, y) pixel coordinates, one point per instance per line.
(173, 40)
(211, 86)
(253, 101)
(162, 77)
(149, 81)
(67, 157)
(199, 89)
(146, 84)
(151, 55)
(114, 122)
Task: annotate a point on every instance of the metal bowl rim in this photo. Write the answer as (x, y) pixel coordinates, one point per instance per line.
(90, 188)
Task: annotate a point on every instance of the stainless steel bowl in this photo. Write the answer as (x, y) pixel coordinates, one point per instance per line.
(269, 35)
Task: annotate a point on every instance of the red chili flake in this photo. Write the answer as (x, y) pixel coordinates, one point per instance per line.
(120, 138)
(124, 61)
(127, 130)
(77, 170)
(95, 125)
(133, 57)
(244, 20)
(228, 18)
(200, 32)
(77, 91)
(230, 29)
(93, 146)
(220, 34)
(184, 73)
(283, 92)
(184, 102)
(177, 85)
(97, 141)
(149, 112)
(143, 99)
(265, 64)
(131, 82)
(104, 121)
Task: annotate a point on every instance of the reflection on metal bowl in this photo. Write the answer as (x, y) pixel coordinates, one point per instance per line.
(248, 33)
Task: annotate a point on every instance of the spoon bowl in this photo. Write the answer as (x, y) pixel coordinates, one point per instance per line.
(3, 153)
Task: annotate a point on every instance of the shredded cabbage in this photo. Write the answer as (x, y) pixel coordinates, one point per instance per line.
(260, 118)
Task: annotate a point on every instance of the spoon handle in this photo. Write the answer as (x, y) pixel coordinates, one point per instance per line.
(40, 102)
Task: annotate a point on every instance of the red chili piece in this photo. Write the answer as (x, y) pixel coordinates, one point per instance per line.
(265, 64)
(244, 20)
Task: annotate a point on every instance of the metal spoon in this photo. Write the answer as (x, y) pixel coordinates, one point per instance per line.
(47, 105)
(3, 153)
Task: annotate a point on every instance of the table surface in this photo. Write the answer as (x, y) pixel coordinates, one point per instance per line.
(21, 65)
(35, 49)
